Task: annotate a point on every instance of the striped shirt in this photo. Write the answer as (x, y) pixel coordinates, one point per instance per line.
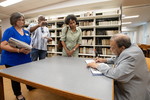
(37, 37)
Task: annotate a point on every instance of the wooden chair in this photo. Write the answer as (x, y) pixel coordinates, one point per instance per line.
(144, 49)
(139, 45)
(148, 51)
(148, 62)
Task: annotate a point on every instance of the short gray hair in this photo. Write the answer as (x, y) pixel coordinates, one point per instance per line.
(14, 17)
(40, 16)
(121, 40)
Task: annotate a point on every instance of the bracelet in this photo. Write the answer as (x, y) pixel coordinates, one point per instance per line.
(74, 49)
(18, 50)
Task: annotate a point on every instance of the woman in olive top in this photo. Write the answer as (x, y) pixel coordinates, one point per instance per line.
(72, 39)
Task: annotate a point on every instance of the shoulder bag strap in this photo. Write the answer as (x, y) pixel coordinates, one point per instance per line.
(66, 31)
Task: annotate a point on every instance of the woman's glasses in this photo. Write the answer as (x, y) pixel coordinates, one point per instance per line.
(20, 20)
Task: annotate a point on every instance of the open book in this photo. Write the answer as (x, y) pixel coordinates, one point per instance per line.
(94, 71)
(18, 44)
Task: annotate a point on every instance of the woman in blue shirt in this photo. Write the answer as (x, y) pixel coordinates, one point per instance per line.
(13, 56)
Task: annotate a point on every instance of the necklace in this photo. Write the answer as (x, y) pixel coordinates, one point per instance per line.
(20, 31)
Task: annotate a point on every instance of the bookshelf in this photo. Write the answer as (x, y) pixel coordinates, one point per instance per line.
(97, 28)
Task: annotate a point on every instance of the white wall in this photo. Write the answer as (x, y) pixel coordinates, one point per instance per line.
(131, 36)
(148, 33)
(5, 24)
(140, 35)
(135, 37)
(132, 33)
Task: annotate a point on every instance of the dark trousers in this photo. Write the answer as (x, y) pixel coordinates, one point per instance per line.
(35, 53)
(16, 85)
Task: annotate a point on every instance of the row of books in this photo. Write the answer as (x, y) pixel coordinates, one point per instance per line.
(87, 42)
(87, 14)
(104, 51)
(106, 32)
(86, 50)
(50, 55)
(52, 42)
(108, 23)
(87, 33)
(31, 21)
(85, 56)
(86, 23)
(52, 34)
(93, 13)
(51, 26)
(105, 42)
(50, 48)
(60, 24)
(100, 41)
(90, 32)
(59, 33)
(111, 12)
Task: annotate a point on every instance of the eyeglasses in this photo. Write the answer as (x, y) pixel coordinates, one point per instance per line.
(42, 30)
(20, 20)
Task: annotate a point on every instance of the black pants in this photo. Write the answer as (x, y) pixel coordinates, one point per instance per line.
(16, 85)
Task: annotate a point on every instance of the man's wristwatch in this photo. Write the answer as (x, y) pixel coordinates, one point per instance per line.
(74, 49)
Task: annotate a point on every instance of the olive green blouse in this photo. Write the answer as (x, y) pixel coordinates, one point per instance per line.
(71, 40)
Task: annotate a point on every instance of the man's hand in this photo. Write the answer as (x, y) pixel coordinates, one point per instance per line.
(100, 60)
(49, 39)
(40, 24)
(92, 64)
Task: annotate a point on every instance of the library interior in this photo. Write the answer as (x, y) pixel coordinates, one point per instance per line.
(98, 20)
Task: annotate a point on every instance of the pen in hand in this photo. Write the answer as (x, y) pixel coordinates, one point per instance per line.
(96, 55)
(96, 59)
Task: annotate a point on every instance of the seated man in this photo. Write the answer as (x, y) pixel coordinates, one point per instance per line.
(130, 72)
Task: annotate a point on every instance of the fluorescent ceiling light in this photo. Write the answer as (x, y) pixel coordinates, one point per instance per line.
(130, 16)
(9, 2)
(144, 23)
(127, 23)
(124, 27)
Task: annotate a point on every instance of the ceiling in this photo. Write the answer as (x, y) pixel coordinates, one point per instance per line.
(33, 8)
(136, 7)
(25, 5)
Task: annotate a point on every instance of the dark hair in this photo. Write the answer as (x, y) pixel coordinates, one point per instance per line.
(72, 17)
(121, 40)
(14, 17)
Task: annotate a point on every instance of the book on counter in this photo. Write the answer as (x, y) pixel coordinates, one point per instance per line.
(94, 71)
(18, 44)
